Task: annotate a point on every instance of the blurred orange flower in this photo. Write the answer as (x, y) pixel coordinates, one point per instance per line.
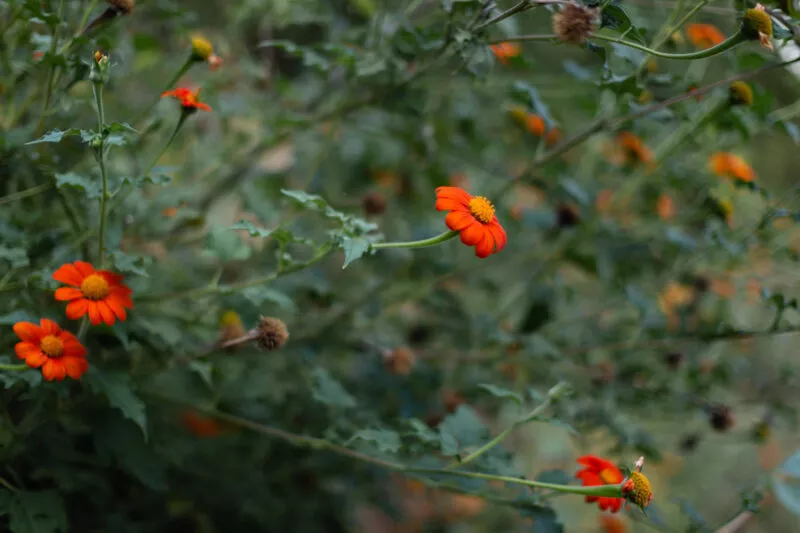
(98, 293)
(675, 296)
(665, 207)
(190, 100)
(612, 524)
(473, 217)
(600, 471)
(634, 150)
(58, 353)
(534, 124)
(505, 51)
(726, 164)
(553, 137)
(200, 425)
(704, 36)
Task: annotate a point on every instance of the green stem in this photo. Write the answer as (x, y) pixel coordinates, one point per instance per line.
(446, 236)
(13, 368)
(169, 85)
(81, 26)
(683, 134)
(48, 91)
(24, 194)
(97, 88)
(83, 328)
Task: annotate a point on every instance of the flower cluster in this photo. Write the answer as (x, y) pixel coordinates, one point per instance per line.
(99, 295)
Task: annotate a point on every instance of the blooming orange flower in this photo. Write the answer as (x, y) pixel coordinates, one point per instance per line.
(190, 100)
(726, 164)
(58, 353)
(600, 472)
(199, 425)
(504, 51)
(612, 524)
(474, 218)
(634, 150)
(534, 124)
(704, 36)
(99, 293)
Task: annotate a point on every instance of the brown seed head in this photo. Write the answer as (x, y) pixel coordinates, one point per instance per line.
(674, 360)
(374, 203)
(400, 361)
(574, 23)
(272, 333)
(720, 417)
(567, 216)
(124, 6)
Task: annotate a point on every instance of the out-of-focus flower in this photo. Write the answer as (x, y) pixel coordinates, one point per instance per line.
(230, 327)
(598, 472)
(665, 207)
(535, 124)
(200, 425)
(633, 150)
(374, 203)
(98, 293)
(675, 296)
(190, 100)
(610, 523)
(553, 137)
(740, 93)
(726, 164)
(214, 62)
(757, 24)
(474, 218)
(202, 49)
(58, 353)
(505, 51)
(704, 36)
(399, 361)
(574, 23)
(124, 6)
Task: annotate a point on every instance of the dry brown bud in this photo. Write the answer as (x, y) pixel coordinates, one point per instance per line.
(400, 361)
(574, 23)
(374, 203)
(272, 333)
(125, 6)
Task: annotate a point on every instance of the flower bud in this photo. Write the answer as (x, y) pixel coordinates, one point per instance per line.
(574, 23)
(757, 24)
(740, 93)
(272, 333)
(202, 49)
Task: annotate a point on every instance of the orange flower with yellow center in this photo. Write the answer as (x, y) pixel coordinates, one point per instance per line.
(473, 217)
(634, 150)
(98, 293)
(704, 36)
(190, 100)
(726, 164)
(600, 472)
(58, 353)
(505, 51)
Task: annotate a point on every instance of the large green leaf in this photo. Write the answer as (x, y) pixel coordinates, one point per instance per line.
(119, 391)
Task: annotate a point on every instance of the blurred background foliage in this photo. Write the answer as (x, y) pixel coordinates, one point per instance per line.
(659, 285)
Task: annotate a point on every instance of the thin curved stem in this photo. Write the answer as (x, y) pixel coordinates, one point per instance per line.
(32, 191)
(13, 368)
(169, 85)
(446, 236)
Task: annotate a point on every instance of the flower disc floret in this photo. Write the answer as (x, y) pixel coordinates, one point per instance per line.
(637, 490)
(474, 218)
(756, 22)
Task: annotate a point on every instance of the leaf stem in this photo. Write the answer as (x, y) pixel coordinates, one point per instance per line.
(19, 195)
(97, 88)
(13, 368)
(169, 85)
(446, 236)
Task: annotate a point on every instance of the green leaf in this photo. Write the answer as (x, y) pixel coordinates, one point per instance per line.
(447, 5)
(134, 264)
(37, 512)
(119, 439)
(351, 226)
(354, 248)
(423, 432)
(55, 136)
(616, 18)
(786, 483)
(155, 179)
(119, 391)
(385, 440)
(545, 519)
(500, 392)
(462, 429)
(259, 295)
(311, 58)
(251, 229)
(227, 245)
(328, 391)
(16, 257)
(18, 316)
(92, 189)
(121, 127)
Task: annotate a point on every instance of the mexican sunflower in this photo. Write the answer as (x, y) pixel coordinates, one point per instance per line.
(634, 150)
(600, 472)
(99, 293)
(58, 353)
(190, 100)
(726, 164)
(473, 217)
(505, 51)
(704, 36)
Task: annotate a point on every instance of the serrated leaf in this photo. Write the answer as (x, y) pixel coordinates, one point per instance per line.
(37, 512)
(15, 257)
(385, 440)
(92, 189)
(226, 245)
(251, 229)
(119, 391)
(55, 136)
(461, 429)
(155, 179)
(616, 18)
(328, 391)
(423, 432)
(119, 439)
(134, 264)
(500, 392)
(351, 226)
(354, 248)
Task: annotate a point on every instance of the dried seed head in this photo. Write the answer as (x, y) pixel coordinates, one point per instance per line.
(400, 361)
(567, 216)
(374, 203)
(674, 360)
(574, 23)
(740, 93)
(757, 24)
(720, 417)
(272, 333)
(124, 6)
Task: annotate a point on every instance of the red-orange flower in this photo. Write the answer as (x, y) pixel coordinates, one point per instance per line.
(726, 164)
(704, 36)
(190, 100)
(473, 217)
(58, 353)
(612, 524)
(600, 472)
(200, 425)
(504, 51)
(634, 150)
(99, 293)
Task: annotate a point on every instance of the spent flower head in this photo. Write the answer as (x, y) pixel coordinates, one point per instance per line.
(757, 24)
(574, 23)
(740, 93)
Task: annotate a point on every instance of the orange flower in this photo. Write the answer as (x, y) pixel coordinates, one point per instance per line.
(726, 164)
(600, 472)
(634, 150)
(199, 425)
(553, 137)
(665, 207)
(474, 218)
(99, 293)
(58, 353)
(504, 51)
(534, 124)
(704, 36)
(190, 100)
(612, 524)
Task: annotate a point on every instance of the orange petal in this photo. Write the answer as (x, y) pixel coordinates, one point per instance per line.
(110, 277)
(458, 220)
(77, 308)
(485, 246)
(28, 332)
(75, 366)
(49, 327)
(72, 346)
(68, 293)
(106, 313)
(35, 359)
(115, 302)
(68, 274)
(453, 193)
(471, 235)
(24, 348)
(499, 234)
(54, 369)
(94, 313)
(448, 204)
(85, 269)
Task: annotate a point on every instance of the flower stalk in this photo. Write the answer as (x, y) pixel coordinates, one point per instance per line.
(446, 236)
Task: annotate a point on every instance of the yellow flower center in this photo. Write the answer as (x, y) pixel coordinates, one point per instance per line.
(482, 209)
(640, 494)
(95, 287)
(52, 346)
